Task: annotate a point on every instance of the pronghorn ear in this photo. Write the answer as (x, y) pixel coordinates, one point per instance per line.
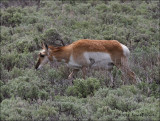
(45, 46)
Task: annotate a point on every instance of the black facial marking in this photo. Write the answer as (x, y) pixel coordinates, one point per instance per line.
(37, 65)
(46, 46)
(41, 55)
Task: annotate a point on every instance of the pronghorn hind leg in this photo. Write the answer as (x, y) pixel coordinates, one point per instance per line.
(124, 67)
(111, 84)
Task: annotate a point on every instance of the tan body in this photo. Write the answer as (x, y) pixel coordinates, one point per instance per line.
(89, 53)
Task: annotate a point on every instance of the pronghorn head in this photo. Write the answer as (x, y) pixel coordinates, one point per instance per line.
(43, 57)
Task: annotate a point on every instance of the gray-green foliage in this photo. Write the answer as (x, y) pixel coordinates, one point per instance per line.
(12, 16)
(27, 86)
(45, 94)
(83, 87)
(125, 103)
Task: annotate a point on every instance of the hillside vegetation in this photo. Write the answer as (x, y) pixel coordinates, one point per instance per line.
(27, 94)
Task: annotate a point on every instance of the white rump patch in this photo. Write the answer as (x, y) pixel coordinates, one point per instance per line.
(126, 51)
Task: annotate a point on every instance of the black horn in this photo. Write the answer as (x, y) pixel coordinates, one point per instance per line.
(46, 46)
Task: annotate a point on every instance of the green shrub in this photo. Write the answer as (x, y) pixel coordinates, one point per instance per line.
(141, 9)
(103, 8)
(45, 112)
(106, 104)
(39, 27)
(83, 88)
(27, 88)
(53, 75)
(5, 34)
(72, 108)
(14, 109)
(81, 24)
(8, 60)
(12, 16)
(116, 8)
(83, 8)
(1, 95)
(31, 19)
(51, 36)
(147, 112)
(25, 45)
(121, 20)
(126, 8)
(153, 11)
(23, 60)
(41, 110)
(5, 76)
(16, 72)
(126, 102)
(120, 103)
(149, 89)
(26, 111)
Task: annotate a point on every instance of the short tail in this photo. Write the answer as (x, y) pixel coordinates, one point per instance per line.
(126, 51)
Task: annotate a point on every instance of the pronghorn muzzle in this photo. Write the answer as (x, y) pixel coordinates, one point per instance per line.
(37, 65)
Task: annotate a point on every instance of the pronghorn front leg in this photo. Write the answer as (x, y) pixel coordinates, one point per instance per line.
(71, 76)
(74, 72)
(84, 71)
(111, 78)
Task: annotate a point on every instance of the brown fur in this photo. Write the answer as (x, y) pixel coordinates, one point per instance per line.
(77, 48)
(60, 53)
(112, 47)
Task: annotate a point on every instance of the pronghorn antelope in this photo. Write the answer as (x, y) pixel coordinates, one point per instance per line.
(86, 53)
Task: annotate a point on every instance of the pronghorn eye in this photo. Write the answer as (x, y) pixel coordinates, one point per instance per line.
(41, 55)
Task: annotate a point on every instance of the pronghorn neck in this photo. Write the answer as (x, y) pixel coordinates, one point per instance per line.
(60, 54)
